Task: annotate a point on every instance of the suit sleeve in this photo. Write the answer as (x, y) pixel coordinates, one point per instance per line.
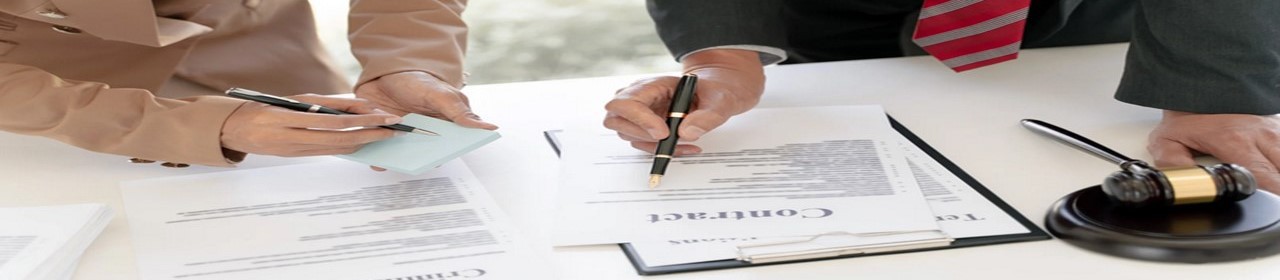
(1205, 56)
(390, 36)
(123, 121)
(686, 26)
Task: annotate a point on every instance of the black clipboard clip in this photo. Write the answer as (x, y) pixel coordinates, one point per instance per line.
(841, 244)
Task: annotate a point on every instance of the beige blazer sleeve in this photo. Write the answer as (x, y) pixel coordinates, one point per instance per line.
(123, 121)
(389, 36)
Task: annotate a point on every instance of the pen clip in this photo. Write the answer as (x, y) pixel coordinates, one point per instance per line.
(250, 92)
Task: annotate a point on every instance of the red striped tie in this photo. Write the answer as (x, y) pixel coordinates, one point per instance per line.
(967, 34)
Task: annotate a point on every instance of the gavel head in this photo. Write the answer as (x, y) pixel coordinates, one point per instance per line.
(1140, 185)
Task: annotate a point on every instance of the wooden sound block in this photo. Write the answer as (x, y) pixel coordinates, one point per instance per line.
(1202, 233)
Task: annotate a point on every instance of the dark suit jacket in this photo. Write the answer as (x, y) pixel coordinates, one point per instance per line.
(1220, 56)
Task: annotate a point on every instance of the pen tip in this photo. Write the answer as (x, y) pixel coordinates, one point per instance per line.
(654, 180)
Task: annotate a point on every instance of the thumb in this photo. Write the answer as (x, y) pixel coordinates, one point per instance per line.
(699, 122)
(470, 119)
(455, 108)
(1169, 153)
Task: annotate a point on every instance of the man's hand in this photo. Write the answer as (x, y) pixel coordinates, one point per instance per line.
(730, 82)
(1251, 141)
(418, 92)
(257, 128)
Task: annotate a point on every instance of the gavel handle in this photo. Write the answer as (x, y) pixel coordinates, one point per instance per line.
(1075, 140)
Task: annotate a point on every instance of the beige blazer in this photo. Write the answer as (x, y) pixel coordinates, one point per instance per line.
(93, 73)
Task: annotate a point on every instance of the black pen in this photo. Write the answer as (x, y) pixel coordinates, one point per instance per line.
(667, 146)
(310, 108)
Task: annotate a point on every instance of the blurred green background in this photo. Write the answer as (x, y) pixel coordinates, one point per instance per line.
(530, 40)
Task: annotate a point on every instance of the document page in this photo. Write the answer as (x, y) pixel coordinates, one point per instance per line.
(768, 172)
(959, 209)
(46, 242)
(327, 220)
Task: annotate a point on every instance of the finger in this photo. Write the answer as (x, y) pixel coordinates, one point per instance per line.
(379, 169)
(681, 149)
(624, 127)
(700, 121)
(318, 152)
(1249, 156)
(645, 146)
(630, 138)
(640, 116)
(336, 139)
(326, 121)
(352, 105)
(453, 105)
(1169, 153)
(473, 121)
(655, 91)
(1269, 181)
(311, 150)
(687, 149)
(637, 103)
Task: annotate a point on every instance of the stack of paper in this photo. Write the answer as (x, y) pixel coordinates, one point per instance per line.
(771, 185)
(328, 220)
(46, 242)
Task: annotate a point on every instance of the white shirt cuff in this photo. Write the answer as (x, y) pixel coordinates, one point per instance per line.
(768, 55)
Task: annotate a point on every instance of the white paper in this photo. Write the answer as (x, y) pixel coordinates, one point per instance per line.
(328, 220)
(959, 210)
(46, 242)
(768, 172)
(840, 244)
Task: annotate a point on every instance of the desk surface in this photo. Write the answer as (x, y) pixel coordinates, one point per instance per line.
(971, 117)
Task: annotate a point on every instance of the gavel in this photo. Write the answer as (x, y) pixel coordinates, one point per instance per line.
(1138, 184)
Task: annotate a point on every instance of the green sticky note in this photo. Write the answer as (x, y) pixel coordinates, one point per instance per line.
(413, 153)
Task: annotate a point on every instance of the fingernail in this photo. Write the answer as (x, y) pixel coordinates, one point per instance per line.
(392, 120)
(401, 133)
(693, 132)
(486, 125)
(690, 150)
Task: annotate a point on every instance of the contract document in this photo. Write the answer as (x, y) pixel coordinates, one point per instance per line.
(327, 220)
(959, 210)
(768, 172)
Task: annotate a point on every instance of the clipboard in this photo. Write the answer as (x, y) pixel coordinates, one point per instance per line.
(1033, 232)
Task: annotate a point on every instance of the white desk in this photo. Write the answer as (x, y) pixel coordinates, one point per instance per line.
(972, 118)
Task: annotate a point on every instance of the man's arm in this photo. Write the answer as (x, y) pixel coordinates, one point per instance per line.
(1205, 57)
(1214, 67)
(690, 26)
